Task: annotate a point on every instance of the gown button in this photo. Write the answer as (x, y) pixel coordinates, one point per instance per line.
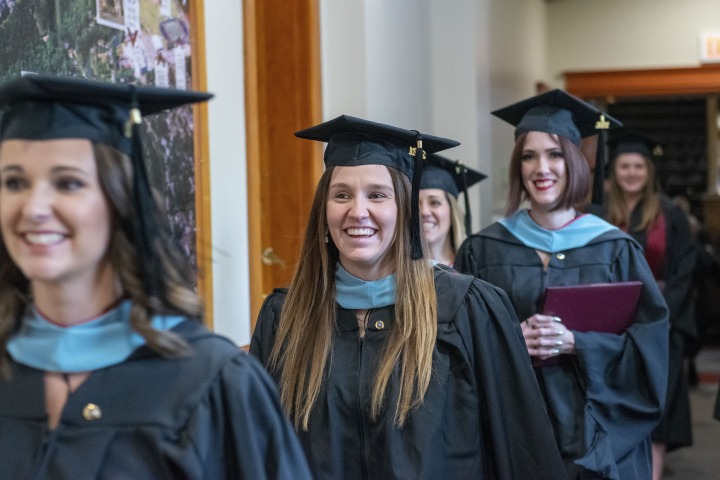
(379, 325)
(91, 412)
(560, 256)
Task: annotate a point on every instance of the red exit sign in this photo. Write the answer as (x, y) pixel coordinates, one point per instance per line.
(710, 47)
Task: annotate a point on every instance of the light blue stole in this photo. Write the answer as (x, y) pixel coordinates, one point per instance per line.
(575, 234)
(103, 342)
(353, 293)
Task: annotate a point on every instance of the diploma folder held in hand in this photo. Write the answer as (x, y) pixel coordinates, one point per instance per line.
(598, 307)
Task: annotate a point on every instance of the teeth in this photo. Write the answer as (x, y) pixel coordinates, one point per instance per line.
(543, 183)
(43, 238)
(428, 226)
(360, 231)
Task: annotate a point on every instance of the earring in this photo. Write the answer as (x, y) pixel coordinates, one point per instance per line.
(326, 234)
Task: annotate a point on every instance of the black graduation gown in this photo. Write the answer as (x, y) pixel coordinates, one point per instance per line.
(675, 427)
(212, 415)
(604, 401)
(482, 416)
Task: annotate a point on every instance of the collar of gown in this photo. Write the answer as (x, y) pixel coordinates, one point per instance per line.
(105, 341)
(354, 293)
(578, 233)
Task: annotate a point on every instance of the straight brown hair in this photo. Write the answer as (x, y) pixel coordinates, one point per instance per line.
(178, 298)
(307, 321)
(617, 211)
(577, 172)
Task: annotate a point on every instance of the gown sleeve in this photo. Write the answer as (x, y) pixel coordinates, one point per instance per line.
(465, 258)
(255, 440)
(679, 277)
(516, 431)
(625, 376)
(263, 338)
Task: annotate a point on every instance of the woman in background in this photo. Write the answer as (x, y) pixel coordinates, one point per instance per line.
(390, 367)
(107, 371)
(636, 206)
(444, 223)
(604, 391)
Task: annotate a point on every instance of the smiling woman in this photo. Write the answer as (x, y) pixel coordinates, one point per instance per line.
(604, 391)
(55, 220)
(102, 352)
(391, 367)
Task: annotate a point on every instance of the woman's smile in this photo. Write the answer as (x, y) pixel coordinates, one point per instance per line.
(361, 217)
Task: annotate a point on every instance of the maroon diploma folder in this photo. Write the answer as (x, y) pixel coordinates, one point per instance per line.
(598, 307)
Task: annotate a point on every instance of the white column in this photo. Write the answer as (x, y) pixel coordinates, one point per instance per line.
(228, 169)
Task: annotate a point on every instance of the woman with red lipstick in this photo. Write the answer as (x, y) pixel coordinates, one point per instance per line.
(105, 368)
(391, 367)
(636, 205)
(604, 392)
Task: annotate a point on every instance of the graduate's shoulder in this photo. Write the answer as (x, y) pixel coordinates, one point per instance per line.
(211, 353)
(272, 306)
(453, 289)
(615, 236)
(494, 232)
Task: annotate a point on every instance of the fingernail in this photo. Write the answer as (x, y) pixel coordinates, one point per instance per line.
(559, 342)
(557, 319)
(560, 332)
(556, 351)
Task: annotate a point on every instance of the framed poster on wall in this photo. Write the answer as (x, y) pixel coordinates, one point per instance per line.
(142, 42)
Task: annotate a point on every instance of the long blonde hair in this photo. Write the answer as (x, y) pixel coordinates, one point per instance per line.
(177, 298)
(457, 223)
(307, 321)
(617, 211)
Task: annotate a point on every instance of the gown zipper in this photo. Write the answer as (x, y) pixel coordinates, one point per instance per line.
(360, 399)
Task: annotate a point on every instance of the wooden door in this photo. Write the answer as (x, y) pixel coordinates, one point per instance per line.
(282, 92)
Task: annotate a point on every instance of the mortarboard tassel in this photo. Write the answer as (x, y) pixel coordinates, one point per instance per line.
(463, 175)
(145, 231)
(416, 250)
(602, 126)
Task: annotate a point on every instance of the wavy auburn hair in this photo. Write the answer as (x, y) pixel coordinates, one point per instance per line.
(307, 322)
(577, 173)
(177, 298)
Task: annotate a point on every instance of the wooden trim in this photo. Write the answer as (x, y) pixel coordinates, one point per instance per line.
(252, 128)
(203, 230)
(316, 93)
(630, 83)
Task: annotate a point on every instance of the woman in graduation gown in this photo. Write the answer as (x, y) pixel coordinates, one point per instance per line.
(604, 392)
(444, 224)
(635, 205)
(390, 367)
(107, 371)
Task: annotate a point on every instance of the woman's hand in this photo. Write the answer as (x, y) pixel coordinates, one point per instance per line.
(546, 336)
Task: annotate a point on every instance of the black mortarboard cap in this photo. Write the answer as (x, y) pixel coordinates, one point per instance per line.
(37, 107)
(634, 143)
(557, 112)
(353, 141)
(452, 177)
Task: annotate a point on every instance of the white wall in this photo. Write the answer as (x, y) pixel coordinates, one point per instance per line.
(228, 182)
(413, 64)
(626, 34)
(517, 61)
